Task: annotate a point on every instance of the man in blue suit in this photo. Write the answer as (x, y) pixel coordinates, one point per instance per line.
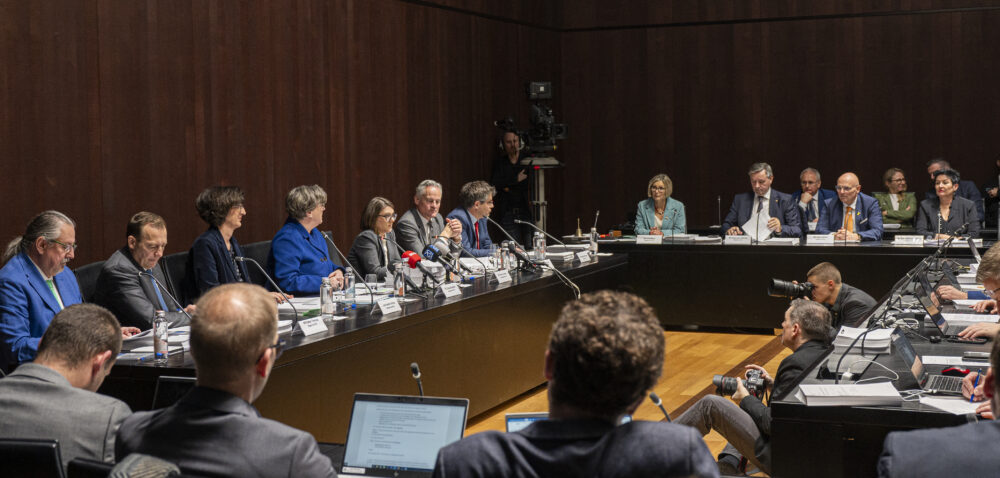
(966, 189)
(477, 202)
(811, 199)
(35, 285)
(780, 207)
(852, 216)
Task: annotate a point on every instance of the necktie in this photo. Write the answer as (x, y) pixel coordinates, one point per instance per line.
(849, 219)
(810, 212)
(477, 234)
(760, 203)
(428, 230)
(52, 288)
(156, 288)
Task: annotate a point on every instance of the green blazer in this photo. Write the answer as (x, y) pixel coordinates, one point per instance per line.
(674, 221)
(904, 215)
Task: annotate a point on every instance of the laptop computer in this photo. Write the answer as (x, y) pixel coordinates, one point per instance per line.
(921, 290)
(517, 421)
(936, 384)
(400, 435)
(170, 389)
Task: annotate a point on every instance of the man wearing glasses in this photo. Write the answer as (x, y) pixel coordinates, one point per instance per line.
(477, 203)
(35, 285)
(811, 198)
(853, 216)
(234, 343)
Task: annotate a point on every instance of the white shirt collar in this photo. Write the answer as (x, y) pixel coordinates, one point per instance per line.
(45, 277)
(853, 205)
(766, 196)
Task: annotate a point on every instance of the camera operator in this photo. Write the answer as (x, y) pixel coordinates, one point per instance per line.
(848, 305)
(806, 331)
(513, 184)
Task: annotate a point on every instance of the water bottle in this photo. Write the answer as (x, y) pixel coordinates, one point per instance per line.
(161, 334)
(327, 305)
(349, 286)
(593, 241)
(399, 281)
(539, 245)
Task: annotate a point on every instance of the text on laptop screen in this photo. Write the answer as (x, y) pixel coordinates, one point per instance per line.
(401, 436)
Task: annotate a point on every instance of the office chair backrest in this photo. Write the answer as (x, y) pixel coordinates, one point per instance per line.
(30, 458)
(258, 251)
(85, 468)
(86, 277)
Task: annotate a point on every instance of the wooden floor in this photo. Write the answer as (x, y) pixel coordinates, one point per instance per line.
(691, 359)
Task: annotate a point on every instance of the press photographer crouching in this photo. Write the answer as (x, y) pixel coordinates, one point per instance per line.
(806, 331)
(848, 305)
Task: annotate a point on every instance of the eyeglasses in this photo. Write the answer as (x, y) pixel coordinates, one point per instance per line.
(898, 180)
(388, 217)
(278, 347)
(845, 188)
(67, 248)
(658, 188)
(990, 292)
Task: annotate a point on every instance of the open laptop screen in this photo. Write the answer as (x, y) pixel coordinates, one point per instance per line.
(903, 349)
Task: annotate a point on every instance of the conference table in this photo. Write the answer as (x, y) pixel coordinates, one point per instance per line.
(487, 345)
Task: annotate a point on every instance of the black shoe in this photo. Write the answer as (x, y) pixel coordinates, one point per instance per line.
(729, 465)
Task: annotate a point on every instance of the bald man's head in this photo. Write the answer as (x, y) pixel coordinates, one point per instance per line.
(233, 326)
(848, 188)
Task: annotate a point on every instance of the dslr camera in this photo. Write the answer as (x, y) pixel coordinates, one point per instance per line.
(791, 290)
(754, 383)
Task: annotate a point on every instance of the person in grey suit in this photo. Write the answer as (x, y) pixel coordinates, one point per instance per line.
(605, 352)
(373, 251)
(125, 286)
(422, 224)
(966, 450)
(53, 397)
(943, 216)
(214, 430)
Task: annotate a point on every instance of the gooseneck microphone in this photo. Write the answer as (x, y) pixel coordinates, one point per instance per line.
(443, 257)
(164, 289)
(415, 370)
(413, 265)
(295, 321)
(550, 236)
(659, 403)
(348, 262)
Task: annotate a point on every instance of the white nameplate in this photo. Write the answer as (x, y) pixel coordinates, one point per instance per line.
(450, 290)
(819, 238)
(741, 239)
(648, 239)
(388, 305)
(584, 256)
(502, 276)
(909, 240)
(312, 326)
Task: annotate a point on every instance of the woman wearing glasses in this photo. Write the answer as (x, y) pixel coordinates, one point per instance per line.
(299, 259)
(943, 216)
(374, 250)
(897, 205)
(660, 214)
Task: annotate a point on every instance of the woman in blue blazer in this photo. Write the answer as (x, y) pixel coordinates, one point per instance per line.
(299, 257)
(660, 214)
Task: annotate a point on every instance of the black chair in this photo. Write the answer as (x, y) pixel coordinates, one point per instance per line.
(84, 468)
(30, 458)
(257, 251)
(174, 269)
(334, 257)
(86, 277)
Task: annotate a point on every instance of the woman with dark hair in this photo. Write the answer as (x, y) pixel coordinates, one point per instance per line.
(373, 250)
(943, 216)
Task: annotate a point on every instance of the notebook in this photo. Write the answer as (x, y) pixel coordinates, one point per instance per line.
(932, 383)
(400, 435)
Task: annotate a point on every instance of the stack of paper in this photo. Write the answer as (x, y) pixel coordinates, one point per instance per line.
(877, 341)
(966, 278)
(970, 318)
(882, 393)
(782, 241)
(560, 256)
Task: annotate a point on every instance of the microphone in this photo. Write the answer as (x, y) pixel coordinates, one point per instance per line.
(434, 253)
(504, 231)
(656, 401)
(415, 370)
(522, 257)
(357, 274)
(414, 264)
(295, 321)
(595, 218)
(166, 291)
(550, 236)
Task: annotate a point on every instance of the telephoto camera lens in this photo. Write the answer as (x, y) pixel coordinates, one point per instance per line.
(791, 290)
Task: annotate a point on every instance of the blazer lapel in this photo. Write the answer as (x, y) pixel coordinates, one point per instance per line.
(38, 283)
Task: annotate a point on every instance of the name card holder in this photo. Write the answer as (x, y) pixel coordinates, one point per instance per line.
(312, 326)
(908, 240)
(584, 256)
(819, 239)
(742, 239)
(449, 290)
(388, 305)
(648, 239)
(502, 276)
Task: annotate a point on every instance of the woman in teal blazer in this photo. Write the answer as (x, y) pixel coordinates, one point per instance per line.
(660, 214)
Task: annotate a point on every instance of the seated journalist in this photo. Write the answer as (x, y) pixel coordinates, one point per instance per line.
(214, 430)
(805, 330)
(299, 257)
(605, 352)
(373, 251)
(779, 207)
(476, 198)
(943, 216)
(897, 205)
(660, 214)
(852, 216)
(423, 223)
(124, 285)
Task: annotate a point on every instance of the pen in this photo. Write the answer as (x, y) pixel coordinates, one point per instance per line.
(972, 396)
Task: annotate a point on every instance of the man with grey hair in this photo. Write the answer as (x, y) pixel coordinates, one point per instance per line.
(784, 218)
(805, 330)
(35, 284)
(423, 223)
(966, 189)
(477, 202)
(811, 198)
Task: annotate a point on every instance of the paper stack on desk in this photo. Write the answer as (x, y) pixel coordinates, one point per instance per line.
(954, 318)
(876, 341)
(882, 393)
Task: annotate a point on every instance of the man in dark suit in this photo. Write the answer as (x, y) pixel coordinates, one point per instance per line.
(605, 352)
(214, 430)
(477, 202)
(784, 218)
(423, 223)
(966, 189)
(131, 297)
(966, 450)
(853, 216)
(811, 199)
(53, 397)
(806, 331)
(848, 305)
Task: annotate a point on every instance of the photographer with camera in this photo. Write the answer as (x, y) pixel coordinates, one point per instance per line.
(806, 331)
(848, 305)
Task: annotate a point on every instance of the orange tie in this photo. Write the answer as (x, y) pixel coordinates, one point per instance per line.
(849, 220)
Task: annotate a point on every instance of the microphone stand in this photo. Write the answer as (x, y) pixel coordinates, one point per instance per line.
(550, 236)
(521, 257)
(164, 289)
(353, 269)
(267, 276)
(406, 277)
